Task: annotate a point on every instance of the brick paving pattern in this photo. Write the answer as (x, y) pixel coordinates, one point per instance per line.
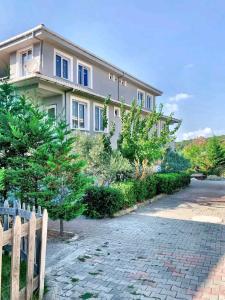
(172, 249)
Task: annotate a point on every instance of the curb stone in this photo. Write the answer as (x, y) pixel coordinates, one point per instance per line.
(136, 206)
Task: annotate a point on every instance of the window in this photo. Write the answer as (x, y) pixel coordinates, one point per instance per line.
(63, 65)
(148, 103)
(99, 126)
(116, 112)
(84, 75)
(79, 115)
(51, 110)
(26, 57)
(140, 98)
(112, 77)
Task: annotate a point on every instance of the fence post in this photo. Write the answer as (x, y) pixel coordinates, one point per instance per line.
(30, 258)
(15, 260)
(43, 253)
(1, 244)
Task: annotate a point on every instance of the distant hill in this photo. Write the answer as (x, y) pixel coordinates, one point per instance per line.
(182, 144)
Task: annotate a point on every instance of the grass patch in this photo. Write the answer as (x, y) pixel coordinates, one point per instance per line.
(94, 273)
(88, 295)
(74, 279)
(6, 273)
(83, 258)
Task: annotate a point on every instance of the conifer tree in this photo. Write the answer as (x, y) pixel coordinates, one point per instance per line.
(216, 156)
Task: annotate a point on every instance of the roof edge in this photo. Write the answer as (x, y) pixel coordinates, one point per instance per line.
(86, 52)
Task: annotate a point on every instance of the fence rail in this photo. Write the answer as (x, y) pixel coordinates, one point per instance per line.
(23, 233)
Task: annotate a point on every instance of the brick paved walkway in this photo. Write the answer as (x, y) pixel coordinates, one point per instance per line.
(172, 249)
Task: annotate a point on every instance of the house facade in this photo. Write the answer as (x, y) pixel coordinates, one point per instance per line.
(70, 82)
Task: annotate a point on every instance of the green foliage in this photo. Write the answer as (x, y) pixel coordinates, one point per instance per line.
(139, 139)
(174, 162)
(36, 154)
(216, 156)
(105, 201)
(2, 178)
(6, 275)
(168, 183)
(63, 187)
(23, 129)
(196, 153)
(151, 184)
(105, 166)
(206, 155)
(102, 201)
(127, 188)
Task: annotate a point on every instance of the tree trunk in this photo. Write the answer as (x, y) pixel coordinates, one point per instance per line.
(61, 227)
(144, 169)
(137, 171)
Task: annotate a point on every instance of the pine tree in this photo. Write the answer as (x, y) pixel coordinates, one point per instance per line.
(36, 154)
(216, 156)
(23, 128)
(64, 185)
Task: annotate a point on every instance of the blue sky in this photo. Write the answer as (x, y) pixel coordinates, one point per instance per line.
(178, 46)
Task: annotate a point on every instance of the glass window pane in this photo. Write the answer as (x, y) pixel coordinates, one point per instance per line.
(85, 77)
(58, 66)
(65, 68)
(80, 74)
(101, 119)
(75, 114)
(52, 113)
(81, 115)
(96, 118)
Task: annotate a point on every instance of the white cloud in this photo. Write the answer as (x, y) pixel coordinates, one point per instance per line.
(179, 97)
(170, 108)
(205, 132)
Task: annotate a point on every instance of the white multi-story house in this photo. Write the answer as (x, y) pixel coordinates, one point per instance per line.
(70, 81)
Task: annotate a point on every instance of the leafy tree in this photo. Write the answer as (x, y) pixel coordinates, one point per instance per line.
(2, 175)
(174, 162)
(196, 153)
(216, 156)
(139, 139)
(104, 166)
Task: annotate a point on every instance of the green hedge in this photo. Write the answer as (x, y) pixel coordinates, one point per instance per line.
(170, 182)
(105, 201)
(102, 201)
(127, 188)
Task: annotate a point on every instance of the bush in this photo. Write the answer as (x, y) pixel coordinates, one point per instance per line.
(146, 188)
(168, 183)
(127, 188)
(105, 201)
(174, 162)
(151, 182)
(102, 201)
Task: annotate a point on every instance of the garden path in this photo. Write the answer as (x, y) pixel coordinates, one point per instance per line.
(171, 249)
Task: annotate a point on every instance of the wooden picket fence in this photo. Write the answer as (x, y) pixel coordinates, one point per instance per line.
(23, 233)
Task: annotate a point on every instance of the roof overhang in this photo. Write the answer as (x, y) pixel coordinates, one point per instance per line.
(41, 32)
(61, 86)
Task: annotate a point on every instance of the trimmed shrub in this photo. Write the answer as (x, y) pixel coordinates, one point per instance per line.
(105, 201)
(102, 201)
(151, 182)
(168, 183)
(127, 188)
(146, 188)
